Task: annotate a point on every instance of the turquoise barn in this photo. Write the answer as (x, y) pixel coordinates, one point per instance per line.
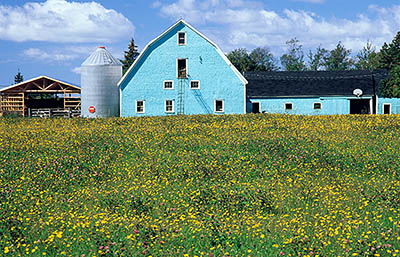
(182, 72)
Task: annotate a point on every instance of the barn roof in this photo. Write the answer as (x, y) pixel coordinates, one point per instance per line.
(42, 84)
(181, 21)
(312, 83)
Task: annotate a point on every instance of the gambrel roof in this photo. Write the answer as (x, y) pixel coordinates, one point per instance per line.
(312, 83)
(240, 76)
(42, 84)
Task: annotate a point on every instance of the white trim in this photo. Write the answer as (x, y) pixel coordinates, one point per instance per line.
(173, 106)
(40, 77)
(215, 105)
(177, 35)
(259, 106)
(194, 88)
(144, 106)
(168, 81)
(238, 74)
(370, 107)
(285, 106)
(383, 108)
(317, 103)
(120, 101)
(244, 99)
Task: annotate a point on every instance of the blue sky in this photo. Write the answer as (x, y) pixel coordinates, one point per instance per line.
(53, 37)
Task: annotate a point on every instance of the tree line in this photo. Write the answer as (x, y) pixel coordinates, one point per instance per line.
(339, 58)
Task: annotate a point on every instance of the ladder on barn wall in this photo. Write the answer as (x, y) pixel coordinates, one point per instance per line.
(181, 96)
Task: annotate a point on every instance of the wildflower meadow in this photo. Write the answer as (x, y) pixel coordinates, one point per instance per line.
(241, 185)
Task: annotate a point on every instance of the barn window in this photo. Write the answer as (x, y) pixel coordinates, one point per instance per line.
(181, 38)
(182, 68)
(317, 106)
(219, 106)
(194, 84)
(140, 106)
(288, 106)
(168, 84)
(387, 109)
(169, 106)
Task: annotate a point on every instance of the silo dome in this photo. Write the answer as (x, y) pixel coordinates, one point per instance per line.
(100, 74)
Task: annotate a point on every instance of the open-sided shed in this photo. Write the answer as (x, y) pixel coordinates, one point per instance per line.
(42, 96)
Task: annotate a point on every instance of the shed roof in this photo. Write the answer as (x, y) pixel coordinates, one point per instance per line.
(42, 84)
(312, 83)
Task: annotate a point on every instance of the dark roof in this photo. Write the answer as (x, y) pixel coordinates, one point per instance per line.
(312, 83)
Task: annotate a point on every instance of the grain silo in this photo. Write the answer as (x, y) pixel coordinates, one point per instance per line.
(99, 77)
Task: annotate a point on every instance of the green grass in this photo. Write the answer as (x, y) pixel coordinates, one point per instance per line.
(253, 185)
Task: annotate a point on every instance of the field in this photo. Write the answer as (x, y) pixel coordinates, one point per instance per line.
(253, 185)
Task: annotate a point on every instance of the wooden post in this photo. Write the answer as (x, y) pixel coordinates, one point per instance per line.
(23, 105)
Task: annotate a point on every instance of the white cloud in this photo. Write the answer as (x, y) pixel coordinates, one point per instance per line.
(38, 54)
(77, 70)
(63, 21)
(251, 26)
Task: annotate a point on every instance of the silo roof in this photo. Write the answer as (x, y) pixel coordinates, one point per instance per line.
(101, 57)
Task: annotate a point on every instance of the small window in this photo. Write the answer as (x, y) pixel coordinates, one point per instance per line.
(317, 106)
(387, 109)
(168, 84)
(194, 84)
(288, 106)
(182, 69)
(140, 106)
(169, 106)
(181, 38)
(219, 105)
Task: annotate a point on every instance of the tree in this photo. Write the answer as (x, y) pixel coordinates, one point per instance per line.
(263, 59)
(293, 60)
(241, 60)
(130, 56)
(367, 59)
(389, 59)
(18, 78)
(339, 59)
(316, 60)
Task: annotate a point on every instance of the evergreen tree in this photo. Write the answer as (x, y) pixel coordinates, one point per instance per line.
(316, 60)
(130, 56)
(338, 59)
(389, 59)
(241, 60)
(367, 59)
(263, 59)
(18, 78)
(293, 60)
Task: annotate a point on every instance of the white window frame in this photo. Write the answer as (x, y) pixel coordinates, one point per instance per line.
(284, 106)
(317, 103)
(177, 39)
(195, 88)
(390, 108)
(215, 106)
(168, 81)
(187, 67)
(144, 106)
(173, 106)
